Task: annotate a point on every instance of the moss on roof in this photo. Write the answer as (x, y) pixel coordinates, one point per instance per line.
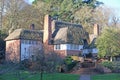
(25, 34)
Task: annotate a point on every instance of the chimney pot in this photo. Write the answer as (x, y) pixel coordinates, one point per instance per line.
(32, 26)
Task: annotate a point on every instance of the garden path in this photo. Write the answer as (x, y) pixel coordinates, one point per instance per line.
(85, 77)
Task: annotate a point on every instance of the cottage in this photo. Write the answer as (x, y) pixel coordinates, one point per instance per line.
(21, 43)
(63, 38)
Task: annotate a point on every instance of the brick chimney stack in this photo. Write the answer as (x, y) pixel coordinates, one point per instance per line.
(47, 29)
(96, 29)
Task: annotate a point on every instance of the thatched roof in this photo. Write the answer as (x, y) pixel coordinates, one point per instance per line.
(65, 32)
(25, 34)
(93, 45)
(62, 24)
(72, 35)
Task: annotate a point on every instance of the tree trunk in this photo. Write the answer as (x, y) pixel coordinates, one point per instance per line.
(111, 58)
(41, 75)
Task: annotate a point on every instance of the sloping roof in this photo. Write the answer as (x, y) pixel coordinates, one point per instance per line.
(93, 45)
(72, 35)
(25, 34)
(61, 36)
(62, 24)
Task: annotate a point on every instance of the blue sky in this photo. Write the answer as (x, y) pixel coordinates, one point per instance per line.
(114, 4)
(111, 3)
(29, 1)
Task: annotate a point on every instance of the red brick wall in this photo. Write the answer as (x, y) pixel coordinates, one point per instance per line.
(64, 53)
(48, 48)
(73, 52)
(12, 50)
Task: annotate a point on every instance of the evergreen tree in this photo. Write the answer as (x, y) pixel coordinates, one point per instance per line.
(65, 9)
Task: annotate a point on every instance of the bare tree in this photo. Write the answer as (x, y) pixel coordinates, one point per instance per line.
(115, 21)
(19, 14)
(2, 7)
(46, 62)
(84, 16)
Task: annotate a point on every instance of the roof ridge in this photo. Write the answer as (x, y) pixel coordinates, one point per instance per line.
(25, 34)
(67, 22)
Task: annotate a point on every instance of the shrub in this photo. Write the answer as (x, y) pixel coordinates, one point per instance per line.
(2, 49)
(75, 58)
(26, 63)
(70, 63)
(107, 64)
(114, 66)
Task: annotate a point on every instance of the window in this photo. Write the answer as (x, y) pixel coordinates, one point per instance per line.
(57, 47)
(71, 46)
(74, 47)
(29, 41)
(33, 42)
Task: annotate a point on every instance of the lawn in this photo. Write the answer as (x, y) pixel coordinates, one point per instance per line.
(106, 77)
(28, 76)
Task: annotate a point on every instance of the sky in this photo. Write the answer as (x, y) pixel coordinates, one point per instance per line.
(114, 4)
(29, 1)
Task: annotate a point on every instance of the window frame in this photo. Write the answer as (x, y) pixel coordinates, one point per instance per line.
(58, 47)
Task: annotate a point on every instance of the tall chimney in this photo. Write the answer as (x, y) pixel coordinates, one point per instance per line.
(47, 29)
(96, 29)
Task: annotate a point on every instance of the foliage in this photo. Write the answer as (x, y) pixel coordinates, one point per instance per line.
(69, 62)
(63, 9)
(77, 11)
(106, 77)
(2, 49)
(108, 43)
(75, 58)
(25, 64)
(85, 17)
(2, 34)
(2, 44)
(19, 14)
(107, 64)
(46, 62)
(114, 66)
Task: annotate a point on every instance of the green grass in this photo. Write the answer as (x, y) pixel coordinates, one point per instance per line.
(28, 76)
(106, 77)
